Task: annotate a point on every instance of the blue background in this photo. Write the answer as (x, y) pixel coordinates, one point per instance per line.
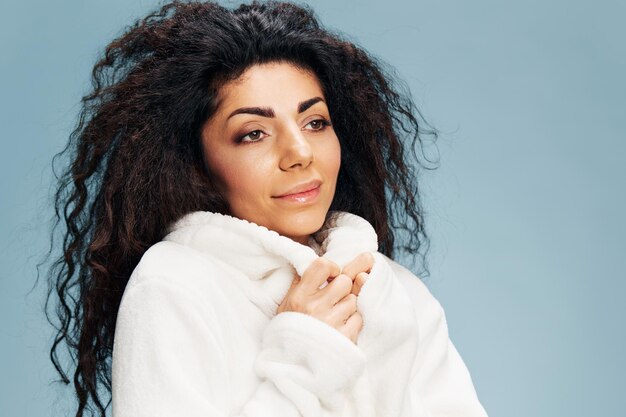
(526, 211)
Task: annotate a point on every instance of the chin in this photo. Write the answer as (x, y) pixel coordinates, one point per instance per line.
(303, 223)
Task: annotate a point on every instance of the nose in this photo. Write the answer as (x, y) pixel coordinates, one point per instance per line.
(296, 151)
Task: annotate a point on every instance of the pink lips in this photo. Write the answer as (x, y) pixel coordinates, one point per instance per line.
(311, 191)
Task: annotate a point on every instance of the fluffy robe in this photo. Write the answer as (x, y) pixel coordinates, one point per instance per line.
(197, 332)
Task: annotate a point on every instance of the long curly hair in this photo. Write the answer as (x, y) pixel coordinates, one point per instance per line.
(135, 162)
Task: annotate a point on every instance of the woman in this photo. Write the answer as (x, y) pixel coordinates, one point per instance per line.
(236, 179)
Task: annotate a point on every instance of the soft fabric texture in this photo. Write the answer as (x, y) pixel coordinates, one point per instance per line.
(197, 332)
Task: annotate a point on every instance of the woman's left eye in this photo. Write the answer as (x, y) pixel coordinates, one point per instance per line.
(254, 136)
(319, 124)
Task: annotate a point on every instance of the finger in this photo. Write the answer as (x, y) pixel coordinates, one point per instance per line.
(353, 326)
(362, 263)
(342, 311)
(359, 281)
(317, 273)
(336, 290)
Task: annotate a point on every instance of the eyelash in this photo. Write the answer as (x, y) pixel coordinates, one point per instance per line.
(325, 124)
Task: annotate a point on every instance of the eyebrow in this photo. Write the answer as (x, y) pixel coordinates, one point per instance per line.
(269, 112)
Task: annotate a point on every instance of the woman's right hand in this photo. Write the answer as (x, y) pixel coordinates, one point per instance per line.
(335, 304)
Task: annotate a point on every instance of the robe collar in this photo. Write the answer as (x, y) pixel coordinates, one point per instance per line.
(267, 259)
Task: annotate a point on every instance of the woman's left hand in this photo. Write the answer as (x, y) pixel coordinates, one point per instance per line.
(358, 270)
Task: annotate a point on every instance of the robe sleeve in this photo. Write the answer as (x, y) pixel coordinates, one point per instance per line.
(169, 360)
(440, 385)
(389, 339)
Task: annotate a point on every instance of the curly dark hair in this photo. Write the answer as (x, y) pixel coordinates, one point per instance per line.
(135, 162)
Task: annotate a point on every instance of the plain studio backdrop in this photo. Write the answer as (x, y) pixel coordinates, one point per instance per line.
(526, 211)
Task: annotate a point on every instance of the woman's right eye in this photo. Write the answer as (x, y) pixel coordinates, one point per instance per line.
(253, 135)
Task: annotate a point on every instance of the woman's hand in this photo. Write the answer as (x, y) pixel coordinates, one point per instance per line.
(335, 304)
(358, 270)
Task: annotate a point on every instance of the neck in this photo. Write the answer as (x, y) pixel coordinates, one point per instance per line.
(303, 240)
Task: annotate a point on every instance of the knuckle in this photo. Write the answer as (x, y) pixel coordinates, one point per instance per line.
(344, 281)
(326, 265)
(343, 278)
(322, 261)
(369, 258)
(317, 264)
(325, 261)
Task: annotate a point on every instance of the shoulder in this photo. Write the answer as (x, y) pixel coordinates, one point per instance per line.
(411, 282)
(178, 265)
(423, 300)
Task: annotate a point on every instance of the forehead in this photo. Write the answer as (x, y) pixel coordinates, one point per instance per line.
(270, 84)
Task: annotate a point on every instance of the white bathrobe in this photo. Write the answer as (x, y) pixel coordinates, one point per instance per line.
(198, 336)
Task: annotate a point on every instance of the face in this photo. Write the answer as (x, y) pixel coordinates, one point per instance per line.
(271, 149)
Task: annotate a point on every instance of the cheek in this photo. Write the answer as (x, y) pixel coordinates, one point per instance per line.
(331, 157)
(241, 178)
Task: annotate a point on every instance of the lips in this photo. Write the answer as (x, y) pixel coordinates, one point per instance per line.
(300, 188)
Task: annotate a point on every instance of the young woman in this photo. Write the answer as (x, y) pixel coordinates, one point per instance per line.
(236, 183)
